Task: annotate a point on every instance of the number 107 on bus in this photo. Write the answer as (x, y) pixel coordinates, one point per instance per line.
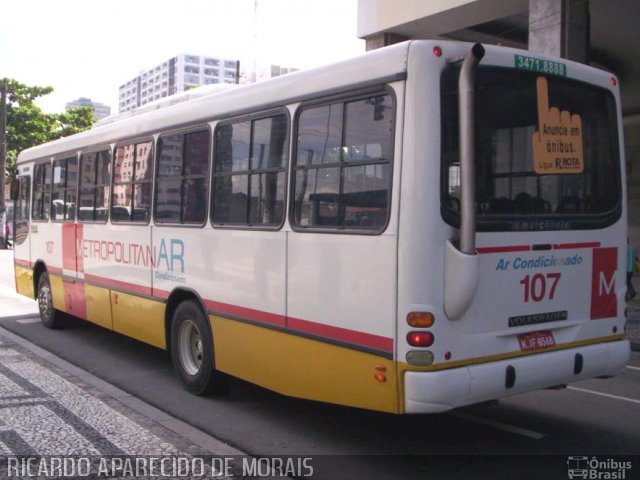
(539, 287)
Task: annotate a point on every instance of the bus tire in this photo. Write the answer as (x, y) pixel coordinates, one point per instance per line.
(192, 351)
(50, 317)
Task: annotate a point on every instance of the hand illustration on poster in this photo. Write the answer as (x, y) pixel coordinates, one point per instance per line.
(557, 145)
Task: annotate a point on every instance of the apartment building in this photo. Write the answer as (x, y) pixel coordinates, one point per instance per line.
(175, 75)
(100, 110)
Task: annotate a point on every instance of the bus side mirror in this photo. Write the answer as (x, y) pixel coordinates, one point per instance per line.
(14, 190)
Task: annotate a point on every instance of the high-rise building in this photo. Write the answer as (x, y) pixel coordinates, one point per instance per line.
(99, 109)
(177, 74)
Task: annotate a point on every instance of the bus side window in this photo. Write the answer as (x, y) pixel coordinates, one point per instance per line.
(93, 189)
(343, 165)
(249, 172)
(21, 212)
(132, 182)
(41, 192)
(183, 171)
(63, 192)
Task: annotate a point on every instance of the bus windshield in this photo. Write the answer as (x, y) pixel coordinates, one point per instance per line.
(578, 187)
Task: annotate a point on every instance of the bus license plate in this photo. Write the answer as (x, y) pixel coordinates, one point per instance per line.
(536, 340)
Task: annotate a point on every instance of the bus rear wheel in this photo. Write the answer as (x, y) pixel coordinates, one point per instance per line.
(192, 351)
(50, 317)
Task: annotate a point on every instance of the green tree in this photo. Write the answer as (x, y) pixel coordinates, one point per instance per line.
(28, 125)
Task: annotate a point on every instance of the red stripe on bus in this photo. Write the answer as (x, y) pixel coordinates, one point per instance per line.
(301, 326)
(504, 249)
(163, 294)
(69, 246)
(297, 325)
(75, 298)
(22, 263)
(336, 333)
(54, 270)
(118, 285)
(246, 313)
(571, 246)
(527, 248)
(78, 241)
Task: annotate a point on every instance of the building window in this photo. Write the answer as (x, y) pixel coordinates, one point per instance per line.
(191, 59)
(212, 62)
(95, 176)
(183, 172)
(343, 165)
(63, 192)
(41, 192)
(131, 197)
(229, 64)
(249, 176)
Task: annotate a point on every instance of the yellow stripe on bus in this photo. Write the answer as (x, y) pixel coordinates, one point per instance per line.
(57, 292)
(98, 305)
(302, 367)
(24, 281)
(139, 318)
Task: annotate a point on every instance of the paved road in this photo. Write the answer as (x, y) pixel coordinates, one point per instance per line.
(525, 436)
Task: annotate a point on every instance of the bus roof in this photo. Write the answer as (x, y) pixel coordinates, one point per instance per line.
(384, 64)
(372, 68)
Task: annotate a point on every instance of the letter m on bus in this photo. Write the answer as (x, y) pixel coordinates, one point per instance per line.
(603, 286)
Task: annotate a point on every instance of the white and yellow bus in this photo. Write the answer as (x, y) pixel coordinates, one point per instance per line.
(427, 226)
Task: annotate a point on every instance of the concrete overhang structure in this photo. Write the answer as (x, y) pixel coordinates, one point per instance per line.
(609, 29)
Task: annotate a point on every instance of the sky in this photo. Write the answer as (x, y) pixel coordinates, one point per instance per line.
(88, 48)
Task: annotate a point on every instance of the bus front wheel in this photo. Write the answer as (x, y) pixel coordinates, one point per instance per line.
(51, 318)
(192, 351)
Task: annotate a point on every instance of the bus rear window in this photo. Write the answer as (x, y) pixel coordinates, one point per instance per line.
(574, 183)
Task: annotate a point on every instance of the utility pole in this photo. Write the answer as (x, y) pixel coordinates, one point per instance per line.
(254, 74)
(3, 157)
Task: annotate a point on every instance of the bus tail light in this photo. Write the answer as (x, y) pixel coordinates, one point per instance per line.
(419, 358)
(420, 339)
(420, 319)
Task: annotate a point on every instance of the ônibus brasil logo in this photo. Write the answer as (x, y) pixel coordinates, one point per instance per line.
(592, 468)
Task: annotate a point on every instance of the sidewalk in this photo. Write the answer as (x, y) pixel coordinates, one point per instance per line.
(51, 409)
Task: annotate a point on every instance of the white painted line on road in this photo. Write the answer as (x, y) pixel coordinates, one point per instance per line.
(499, 425)
(608, 395)
(633, 368)
(25, 321)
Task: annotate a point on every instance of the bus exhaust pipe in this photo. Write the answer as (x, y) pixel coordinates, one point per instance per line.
(466, 116)
(461, 265)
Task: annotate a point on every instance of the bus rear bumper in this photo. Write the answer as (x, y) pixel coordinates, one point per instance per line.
(433, 392)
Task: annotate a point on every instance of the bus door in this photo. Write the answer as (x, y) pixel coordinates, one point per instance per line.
(63, 209)
(21, 195)
(126, 247)
(92, 214)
